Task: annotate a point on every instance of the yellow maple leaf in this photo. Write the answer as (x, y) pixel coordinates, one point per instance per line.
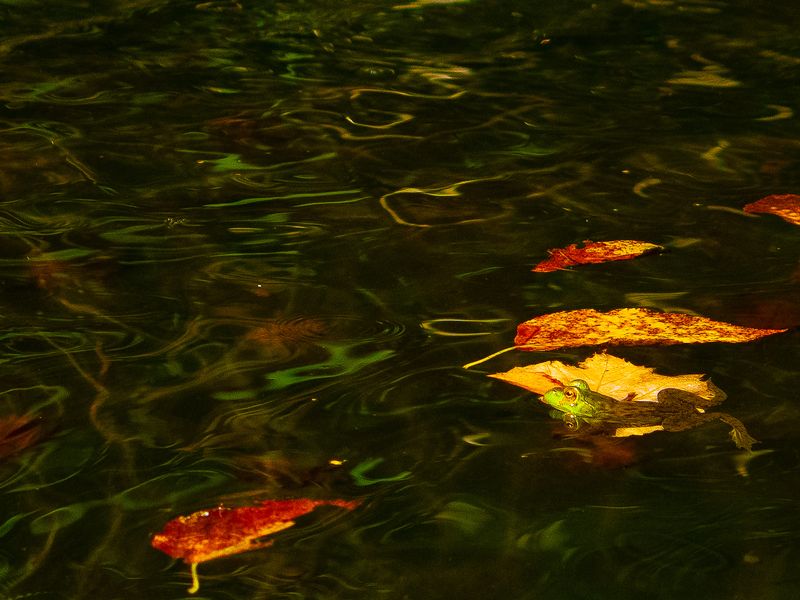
(611, 376)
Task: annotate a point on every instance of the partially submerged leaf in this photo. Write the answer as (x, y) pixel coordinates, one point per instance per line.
(626, 399)
(629, 431)
(786, 206)
(627, 326)
(593, 253)
(611, 376)
(217, 532)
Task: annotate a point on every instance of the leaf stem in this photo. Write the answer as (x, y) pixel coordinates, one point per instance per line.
(485, 358)
(195, 578)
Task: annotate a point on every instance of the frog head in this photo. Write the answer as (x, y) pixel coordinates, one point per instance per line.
(575, 398)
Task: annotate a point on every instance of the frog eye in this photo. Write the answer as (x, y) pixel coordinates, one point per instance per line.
(571, 394)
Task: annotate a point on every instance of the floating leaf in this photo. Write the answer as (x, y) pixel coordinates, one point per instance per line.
(217, 532)
(611, 376)
(624, 326)
(633, 400)
(594, 253)
(786, 206)
(631, 326)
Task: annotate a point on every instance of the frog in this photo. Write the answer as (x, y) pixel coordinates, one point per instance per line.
(675, 410)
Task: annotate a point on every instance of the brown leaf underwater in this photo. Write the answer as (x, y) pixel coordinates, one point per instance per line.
(18, 432)
(594, 253)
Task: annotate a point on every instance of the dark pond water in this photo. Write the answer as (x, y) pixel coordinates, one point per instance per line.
(244, 242)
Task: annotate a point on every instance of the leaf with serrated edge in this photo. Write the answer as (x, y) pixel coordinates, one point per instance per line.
(608, 375)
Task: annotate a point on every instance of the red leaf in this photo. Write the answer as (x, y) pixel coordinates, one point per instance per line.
(786, 206)
(217, 532)
(593, 253)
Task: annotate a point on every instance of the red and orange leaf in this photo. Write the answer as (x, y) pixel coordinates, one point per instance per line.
(786, 206)
(627, 326)
(217, 532)
(593, 253)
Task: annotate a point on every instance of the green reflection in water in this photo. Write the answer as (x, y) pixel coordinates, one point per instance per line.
(341, 361)
(360, 477)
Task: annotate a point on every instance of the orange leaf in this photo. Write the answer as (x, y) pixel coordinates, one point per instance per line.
(631, 326)
(217, 532)
(786, 206)
(593, 253)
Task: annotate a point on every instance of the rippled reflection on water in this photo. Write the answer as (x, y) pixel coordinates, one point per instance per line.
(247, 246)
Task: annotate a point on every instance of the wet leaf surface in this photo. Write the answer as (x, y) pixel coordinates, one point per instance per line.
(611, 376)
(594, 253)
(629, 400)
(786, 206)
(208, 534)
(627, 326)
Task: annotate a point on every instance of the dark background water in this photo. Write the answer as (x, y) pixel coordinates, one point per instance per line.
(241, 240)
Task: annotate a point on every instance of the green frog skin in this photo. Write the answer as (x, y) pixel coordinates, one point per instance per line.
(674, 411)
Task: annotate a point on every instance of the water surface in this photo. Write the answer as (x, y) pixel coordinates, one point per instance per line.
(243, 240)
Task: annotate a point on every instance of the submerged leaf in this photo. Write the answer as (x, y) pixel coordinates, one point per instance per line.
(18, 432)
(786, 206)
(631, 326)
(288, 331)
(593, 253)
(217, 532)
